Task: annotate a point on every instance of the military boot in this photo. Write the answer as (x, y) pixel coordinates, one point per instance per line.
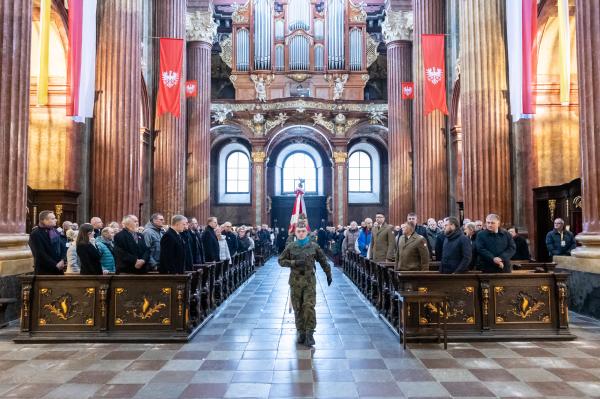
(310, 340)
(301, 337)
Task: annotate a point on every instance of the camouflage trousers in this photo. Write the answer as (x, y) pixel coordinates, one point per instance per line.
(303, 292)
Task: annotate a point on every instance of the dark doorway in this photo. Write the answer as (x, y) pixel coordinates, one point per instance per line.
(281, 211)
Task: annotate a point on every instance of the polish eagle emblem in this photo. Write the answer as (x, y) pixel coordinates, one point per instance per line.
(407, 90)
(434, 75)
(189, 88)
(170, 78)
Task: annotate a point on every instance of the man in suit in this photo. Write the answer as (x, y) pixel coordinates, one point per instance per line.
(174, 257)
(412, 254)
(210, 244)
(495, 247)
(383, 243)
(131, 252)
(46, 246)
(231, 238)
(196, 233)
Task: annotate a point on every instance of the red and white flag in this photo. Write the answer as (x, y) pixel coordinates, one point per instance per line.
(81, 75)
(169, 82)
(521, 30)
(408, 90)
(434, 73)
(299, 209)
(191, 88)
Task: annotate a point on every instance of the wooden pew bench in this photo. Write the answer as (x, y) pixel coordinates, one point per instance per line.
(4, 302)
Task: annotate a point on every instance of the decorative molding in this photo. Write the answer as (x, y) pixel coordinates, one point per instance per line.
(319, 119)
(259, 156)
(338, 82)
(340, 156)
(200, 26)
(227, 50)
(221, 115)
(372, 53)
(298, 77)
(298, 105)
(241, 13)
(357, 12)
(279, 120)
(398, 25)
(260, 85)
(377, 118)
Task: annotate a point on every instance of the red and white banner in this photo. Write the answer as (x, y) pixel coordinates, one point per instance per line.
(521, 30)
(191, 88)
(408, 90)
(169, 82)
(299, 208)
(81, 75)
(434, 73)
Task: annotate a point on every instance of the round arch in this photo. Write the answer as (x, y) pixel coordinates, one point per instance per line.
(290, 150)
(274, 139)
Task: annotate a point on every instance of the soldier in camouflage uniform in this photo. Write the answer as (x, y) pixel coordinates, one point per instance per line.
(300, 257)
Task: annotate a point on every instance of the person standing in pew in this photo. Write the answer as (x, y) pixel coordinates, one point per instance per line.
(457, 248)
(522, 252)
(46, 246)
(495, 247)
(383, 242)
(175, 255)
(131, 252)
(196, 233)
(210, 244)
(88, 253)
(412, 253)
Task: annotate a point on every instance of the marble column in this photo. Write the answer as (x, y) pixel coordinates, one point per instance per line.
(429, 139)
(588, 70)
(258, 186)
(397, 33)
(340, 187)
(201, 30)
(115, 148)
(170, 142)
(15, 36)
(484, 110)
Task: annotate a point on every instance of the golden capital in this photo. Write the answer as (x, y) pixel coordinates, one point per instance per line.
(200, 26)
(340, 156)
(398, 25)
(259, 156)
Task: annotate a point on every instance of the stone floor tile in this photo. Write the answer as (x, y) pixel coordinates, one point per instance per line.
(212, 376)
(422, 389)
(161, 391)
(248, 390)
(30, 390)
(335, 390)
(204, 391)
(291, 390)
(555, 389)
(73, 391)
(463, 389)
(93, 377)
(452, 375)
(492, 375)
(383, 389)
(118, 390)
(534, 375)
(512, 389)
(133, 377)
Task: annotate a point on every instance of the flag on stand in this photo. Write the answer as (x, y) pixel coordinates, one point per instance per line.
(81, 76)
(408, 90)
(299, 210)
(521, 30)
(169, 84)
(191, 88)
(42, 84)
(434, 73)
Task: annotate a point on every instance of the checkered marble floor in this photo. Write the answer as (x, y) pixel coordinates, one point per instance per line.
(248, 350)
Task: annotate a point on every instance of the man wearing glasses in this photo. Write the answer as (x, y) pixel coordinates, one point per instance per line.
(560, 242)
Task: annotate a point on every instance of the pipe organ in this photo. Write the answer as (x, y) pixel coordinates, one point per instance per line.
(300, 44)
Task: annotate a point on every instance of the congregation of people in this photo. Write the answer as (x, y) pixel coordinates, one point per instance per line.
(126, 247)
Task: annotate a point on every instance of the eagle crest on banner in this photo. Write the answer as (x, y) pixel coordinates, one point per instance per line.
(407, 90)
(170, 78)
(189, 88)
(434, 75)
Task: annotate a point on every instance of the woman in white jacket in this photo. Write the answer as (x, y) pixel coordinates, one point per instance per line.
(223, 247)
(72, 258)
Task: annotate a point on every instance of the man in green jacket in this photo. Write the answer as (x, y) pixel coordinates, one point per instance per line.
(300, 256)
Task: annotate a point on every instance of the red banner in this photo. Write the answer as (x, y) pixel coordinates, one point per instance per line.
(169, 84)
(191, 88)
(408, 90)
(434, 93)
(529, 54)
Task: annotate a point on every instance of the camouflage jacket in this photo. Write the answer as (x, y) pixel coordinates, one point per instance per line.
(309, 253)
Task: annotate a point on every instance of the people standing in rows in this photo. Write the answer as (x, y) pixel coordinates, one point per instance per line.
(97, 224)
(153, 233)
(245, 242)
(210, 244)
(495, 247)
(478, 226)
(46, 246)
(457, 250)
(191, 246)
(522, 249)
(230, 237)
(107, 238)
(87, 251)
(131, 252)
(383, 243)
(196, 232)
(350, 238)
(224, 253)
(72, 258)
(560, 241)
(432, 236)
(174, 256)
(66, 227)
(469, 230)
(115, 226)
(412, 253)
(419, 229)
(363, 242)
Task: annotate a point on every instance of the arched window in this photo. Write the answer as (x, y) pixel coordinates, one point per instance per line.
(360, 173)
(237, 173)
(299, 165)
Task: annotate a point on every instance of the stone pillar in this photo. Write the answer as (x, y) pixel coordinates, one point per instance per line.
(588, 49)
(484, 110)
(170, 142)
(258, 186)
(397, 33)
(524, 172)
(115, 148)
(429, 139)
(340, 187)
(201, 30)
(15, 36)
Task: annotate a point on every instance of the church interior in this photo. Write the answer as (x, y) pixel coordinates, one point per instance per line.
(243, 109)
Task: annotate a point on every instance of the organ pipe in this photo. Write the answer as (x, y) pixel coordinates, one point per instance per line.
(299, 12)
(263, 17)
(356, 49)
(335, 21)
(242, 53)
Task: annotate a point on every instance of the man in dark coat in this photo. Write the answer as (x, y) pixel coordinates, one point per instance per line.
(457, 248)
(196, 232)
(495, 247)
(131, 252)
(210, 244)
(560, 241)
(46, 246)
(175, 255)
(522, 252)
(231, 238)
